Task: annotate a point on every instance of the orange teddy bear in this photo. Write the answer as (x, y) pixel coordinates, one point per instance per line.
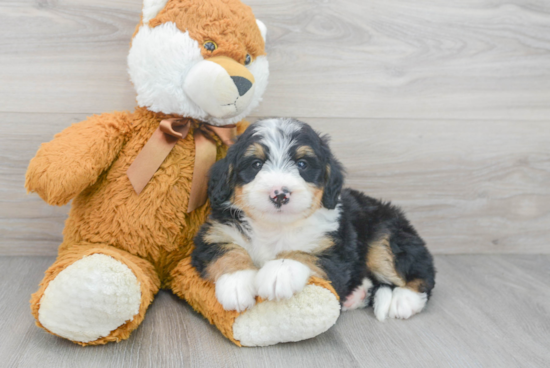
(138, 183)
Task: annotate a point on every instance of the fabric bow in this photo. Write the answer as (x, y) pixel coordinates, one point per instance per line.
(161, 143)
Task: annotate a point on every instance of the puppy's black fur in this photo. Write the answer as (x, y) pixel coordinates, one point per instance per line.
(363, 221)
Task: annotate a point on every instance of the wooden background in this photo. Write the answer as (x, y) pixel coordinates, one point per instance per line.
(442, 107)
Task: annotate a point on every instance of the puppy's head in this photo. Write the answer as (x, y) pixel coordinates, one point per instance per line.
(279, 170)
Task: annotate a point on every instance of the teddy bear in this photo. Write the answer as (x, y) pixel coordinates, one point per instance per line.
(137, 181)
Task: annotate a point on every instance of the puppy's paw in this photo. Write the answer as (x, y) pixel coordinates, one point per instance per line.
(382, 302)
(236, 291)
(405, 303)
(281, 279)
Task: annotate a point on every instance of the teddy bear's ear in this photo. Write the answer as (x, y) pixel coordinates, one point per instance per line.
(262, 27)
(151, 8)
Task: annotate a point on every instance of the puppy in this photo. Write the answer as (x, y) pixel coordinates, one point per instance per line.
(279, 215)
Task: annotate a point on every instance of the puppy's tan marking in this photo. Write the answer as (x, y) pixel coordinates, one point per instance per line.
(417, 285)
(235, 259)
(255, 150)
(217, 233)
(317, 200)
(323, 245)
(308, 259)
(238, 201)
(380, 260)
(304, 151)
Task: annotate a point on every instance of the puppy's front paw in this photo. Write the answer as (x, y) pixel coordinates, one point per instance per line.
(281, 279)
(236, 291)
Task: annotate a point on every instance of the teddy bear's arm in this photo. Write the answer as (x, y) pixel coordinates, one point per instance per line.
(74, 159)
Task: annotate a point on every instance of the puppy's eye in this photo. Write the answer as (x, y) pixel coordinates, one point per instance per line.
(247, 60)
(210, 45)
(257, 164)
(302, 164)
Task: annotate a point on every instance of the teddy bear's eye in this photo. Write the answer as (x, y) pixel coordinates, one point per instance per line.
(210, 45)
(247, 60)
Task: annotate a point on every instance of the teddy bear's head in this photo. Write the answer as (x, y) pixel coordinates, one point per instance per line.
(203, 59)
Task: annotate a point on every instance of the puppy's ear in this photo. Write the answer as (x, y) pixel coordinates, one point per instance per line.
(221, 183)
(334, 177)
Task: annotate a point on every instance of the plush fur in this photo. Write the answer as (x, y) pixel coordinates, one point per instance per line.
(279, 215)
(118, 241)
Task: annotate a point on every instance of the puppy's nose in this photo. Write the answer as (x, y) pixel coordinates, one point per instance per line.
(243, 84)
(280, 196)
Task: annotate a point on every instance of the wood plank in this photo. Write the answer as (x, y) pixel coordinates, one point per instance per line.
(486, 310)
(469, 187)
(488, 59)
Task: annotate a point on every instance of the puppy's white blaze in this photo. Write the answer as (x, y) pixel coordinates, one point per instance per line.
(159, 63)
(382, 302)
(236, 291)
(276, 125)
(405, 303)
(276, 134)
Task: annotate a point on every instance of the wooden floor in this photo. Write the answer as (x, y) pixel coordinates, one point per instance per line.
(486, 311)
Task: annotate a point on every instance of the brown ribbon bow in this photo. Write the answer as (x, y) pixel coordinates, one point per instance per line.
(161, 143)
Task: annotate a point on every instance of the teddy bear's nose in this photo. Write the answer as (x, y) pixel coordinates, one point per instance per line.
(243, 84)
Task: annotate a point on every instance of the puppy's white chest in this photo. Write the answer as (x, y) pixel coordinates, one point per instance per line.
(267, 242)
(265, 246)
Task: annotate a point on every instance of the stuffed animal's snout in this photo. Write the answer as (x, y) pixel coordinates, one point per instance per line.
(220, 86)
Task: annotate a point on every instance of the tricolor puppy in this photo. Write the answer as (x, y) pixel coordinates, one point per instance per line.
(279, 215)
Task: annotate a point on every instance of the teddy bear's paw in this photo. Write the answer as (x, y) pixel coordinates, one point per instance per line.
(281, 279)
(236, 291)
(90, 298)
(307, 314)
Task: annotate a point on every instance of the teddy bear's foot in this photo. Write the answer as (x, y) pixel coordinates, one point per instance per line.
(307, 314)
(94, 294)
(90, 298)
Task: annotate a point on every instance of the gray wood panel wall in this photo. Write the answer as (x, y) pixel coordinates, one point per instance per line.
(442, 107)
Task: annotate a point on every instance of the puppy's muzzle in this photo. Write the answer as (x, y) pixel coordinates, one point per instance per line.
(280, 196)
